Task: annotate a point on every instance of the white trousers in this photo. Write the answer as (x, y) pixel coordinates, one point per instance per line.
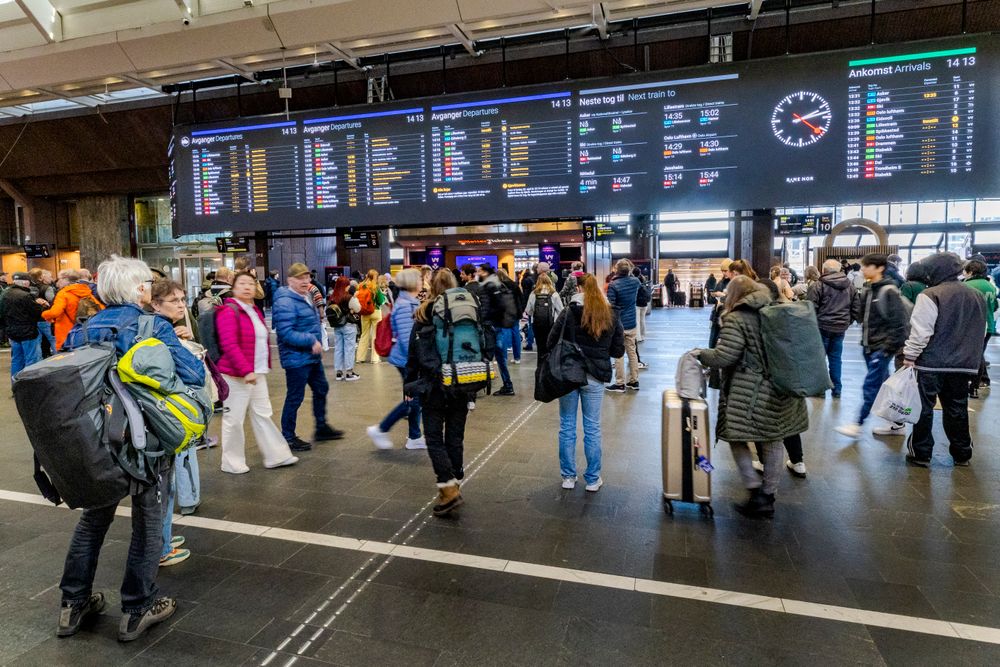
(271, 443)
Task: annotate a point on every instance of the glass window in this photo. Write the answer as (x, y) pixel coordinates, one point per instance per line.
(987, 210)
(846, 213)
(695, 226)
(846, 240)
(877, 212)
(693, 246)
(396, 254)
(991, 236)
(917, 254)
(692, 215)
(621, 247)
(779, 242)
(930, 212)
(959, 243)
(961, 211)
(931, 239)
(903, 214)
(901, 239)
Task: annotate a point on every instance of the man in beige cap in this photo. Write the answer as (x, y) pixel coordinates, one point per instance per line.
(300, 347)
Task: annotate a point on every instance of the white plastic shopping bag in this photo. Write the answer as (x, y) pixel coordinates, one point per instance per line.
(899, 398)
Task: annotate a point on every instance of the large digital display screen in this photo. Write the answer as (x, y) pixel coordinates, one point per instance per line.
(889, 123)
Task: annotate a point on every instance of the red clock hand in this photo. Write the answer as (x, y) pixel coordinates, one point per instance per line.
(815, 129)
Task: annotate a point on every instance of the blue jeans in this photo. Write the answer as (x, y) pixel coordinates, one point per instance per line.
(515, 340)
(45, 328)
(409, 409)
(24, 353)
(503, 342)
(297, 379)
(187, 478)
(529, 335)
(878, 372)
(834, 346)
(139, 589)
(168, 487)
(345, 346)
(589, 398)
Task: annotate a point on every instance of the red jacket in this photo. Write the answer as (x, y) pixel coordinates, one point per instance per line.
(236, 339)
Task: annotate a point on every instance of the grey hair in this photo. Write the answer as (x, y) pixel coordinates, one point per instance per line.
(119, 278)
(71, 275)
(831, 266)
(409, 280)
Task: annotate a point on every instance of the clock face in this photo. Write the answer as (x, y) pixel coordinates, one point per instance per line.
(801, 119)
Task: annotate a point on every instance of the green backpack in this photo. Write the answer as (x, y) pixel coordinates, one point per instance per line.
(795, 356)
(176, 414)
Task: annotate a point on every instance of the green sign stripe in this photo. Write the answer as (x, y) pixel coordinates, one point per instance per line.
(913, 56)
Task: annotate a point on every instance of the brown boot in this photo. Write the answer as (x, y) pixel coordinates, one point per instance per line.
(449, 498)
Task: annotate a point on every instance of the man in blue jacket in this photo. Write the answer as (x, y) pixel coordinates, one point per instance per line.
(300, 347)
(622, 295)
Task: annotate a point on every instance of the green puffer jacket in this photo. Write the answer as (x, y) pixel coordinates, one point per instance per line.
(751, 409)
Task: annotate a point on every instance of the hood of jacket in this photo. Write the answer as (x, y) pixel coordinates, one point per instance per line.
(836, 280)
(941, 268)
(916, 273)
(756, 299)
(491, 279)
(79, 290)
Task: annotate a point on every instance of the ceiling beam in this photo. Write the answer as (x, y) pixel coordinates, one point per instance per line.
(754, 9)
(14, 111)
(599, 19)
(44, 17)
(224, 64)
(138, 80)
(461, 33)
(82, 100)
(345, 54)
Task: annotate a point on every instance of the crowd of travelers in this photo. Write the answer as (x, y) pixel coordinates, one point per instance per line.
(446, 331)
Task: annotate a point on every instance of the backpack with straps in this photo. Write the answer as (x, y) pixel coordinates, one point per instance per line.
(86, 308)
(176, 414)
(458, 334)
(206, 329)
(541, 315)
(510, 313)
(366, 299)
(643, 296)
(795, 358)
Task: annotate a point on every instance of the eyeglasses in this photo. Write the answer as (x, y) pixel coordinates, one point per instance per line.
(173, 300)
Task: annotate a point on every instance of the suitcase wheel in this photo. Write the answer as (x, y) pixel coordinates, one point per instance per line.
(668, 506)
(706, 508)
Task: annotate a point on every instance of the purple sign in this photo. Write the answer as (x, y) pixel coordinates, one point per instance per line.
(549, 252)
(435, 258)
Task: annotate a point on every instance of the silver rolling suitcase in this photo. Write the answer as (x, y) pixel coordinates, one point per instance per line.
(686, 451)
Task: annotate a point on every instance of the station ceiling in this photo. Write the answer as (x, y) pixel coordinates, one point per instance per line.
(94, 52)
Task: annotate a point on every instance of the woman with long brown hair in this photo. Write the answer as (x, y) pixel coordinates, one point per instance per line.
(444, 412)
(594, 325)
(751, 408)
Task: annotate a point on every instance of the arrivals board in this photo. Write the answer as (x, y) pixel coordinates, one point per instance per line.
(890, 123)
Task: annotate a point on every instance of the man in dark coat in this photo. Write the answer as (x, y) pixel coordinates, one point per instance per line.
(20, 313)
(833, 297)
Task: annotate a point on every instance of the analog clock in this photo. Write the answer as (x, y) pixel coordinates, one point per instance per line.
(801, 119)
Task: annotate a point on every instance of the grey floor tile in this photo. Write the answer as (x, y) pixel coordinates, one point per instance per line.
(185, 648)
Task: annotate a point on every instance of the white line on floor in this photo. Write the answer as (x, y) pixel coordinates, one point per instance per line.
(929, 626)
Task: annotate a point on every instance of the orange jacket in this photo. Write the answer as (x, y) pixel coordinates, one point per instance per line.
(63, 310)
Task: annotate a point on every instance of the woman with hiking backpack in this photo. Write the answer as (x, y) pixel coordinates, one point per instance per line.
(444, 408)
(543, 308)
(751, 407)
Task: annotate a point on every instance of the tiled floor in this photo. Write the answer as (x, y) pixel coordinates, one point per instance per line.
(862, 532)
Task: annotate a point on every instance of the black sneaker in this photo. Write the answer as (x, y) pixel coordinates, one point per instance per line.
(617, 388)
(324, 432)
(963, 464)
(72, 617)
(504, 391)
(133, 625)
(297, 444)
(634, 386)
(340, 375)
(914, 461)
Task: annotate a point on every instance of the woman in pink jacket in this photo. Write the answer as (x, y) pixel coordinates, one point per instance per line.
(245, 361)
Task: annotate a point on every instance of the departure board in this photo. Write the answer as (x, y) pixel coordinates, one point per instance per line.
(889, 123)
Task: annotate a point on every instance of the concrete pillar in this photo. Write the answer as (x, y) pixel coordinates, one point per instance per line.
(752, 238)
(104, 228)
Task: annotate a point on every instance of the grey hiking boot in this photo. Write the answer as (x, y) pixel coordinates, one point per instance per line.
(72, 617)
(133, 625)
